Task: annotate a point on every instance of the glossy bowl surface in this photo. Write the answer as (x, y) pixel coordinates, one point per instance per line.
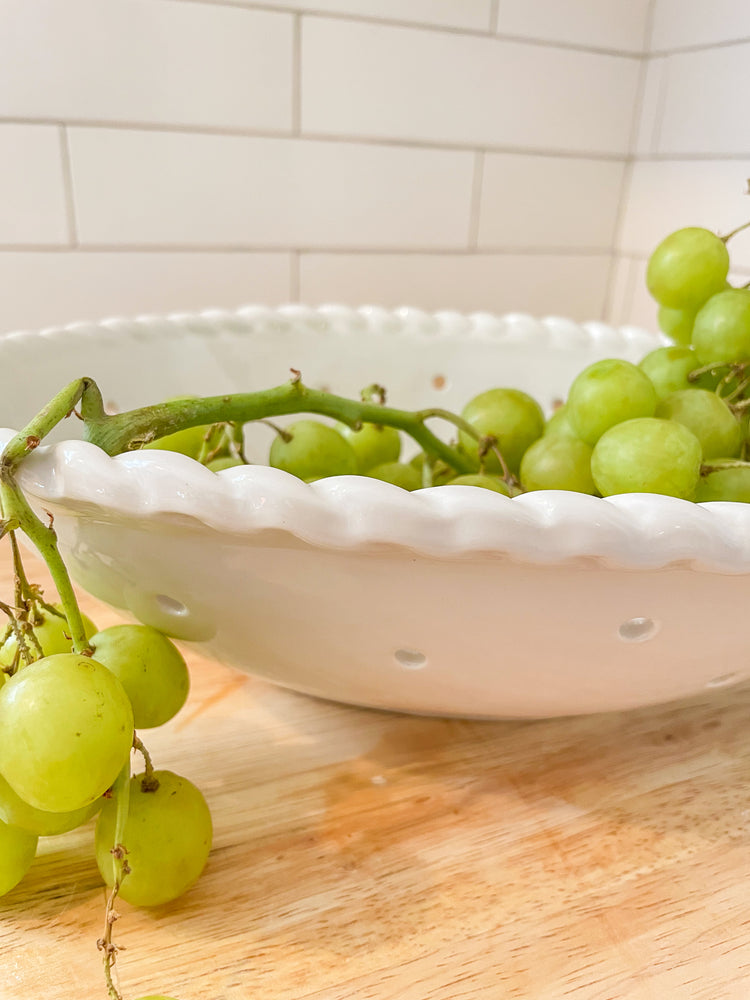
(451, 600)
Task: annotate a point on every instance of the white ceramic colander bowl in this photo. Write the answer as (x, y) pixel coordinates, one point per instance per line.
(451, 600)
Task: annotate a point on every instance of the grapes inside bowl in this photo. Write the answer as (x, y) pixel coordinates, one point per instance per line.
(451, 599)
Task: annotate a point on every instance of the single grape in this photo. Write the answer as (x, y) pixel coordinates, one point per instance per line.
(669, 368)
(558, 462)
(15, 811)
(687, 268)
(398, 473)
(150, 668)
(373, 444)
(314, 451)
(224, 462)
(67, 730)
(509, 415)
(52, 633)
(677, 324)
(731, 482)
(189, 441)
(559, 423)
(721, 333)
(606, 393)
(647, 455)
(708, 417)
(482, 480)
(17, 851)
(167, 836)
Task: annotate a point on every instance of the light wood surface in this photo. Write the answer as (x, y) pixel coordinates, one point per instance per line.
(367, 856)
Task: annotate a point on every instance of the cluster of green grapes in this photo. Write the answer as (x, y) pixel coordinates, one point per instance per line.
(675, 424)
(68, 724)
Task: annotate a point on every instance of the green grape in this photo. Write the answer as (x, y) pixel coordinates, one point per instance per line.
(509, 415)
(373, 444)
(559, 423)
(398, 473)
(314, 451)
(605, 394)
(677, 324)
(224, 462)
(150, 668)
(558, 462)
(52, 633)
(647, 455)
(15, 811)
(687, 268)
(482, 480)
(669, 368)
(154, 997)
(17, 851)
(708, 417)
(67, 730)
(721, 333)
(188, 442)
(731, 483)
(167, 836)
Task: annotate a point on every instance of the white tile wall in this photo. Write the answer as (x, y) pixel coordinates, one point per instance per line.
(52, 288)
(619, 25)
(549, 201)
(681, 23)
(383, 81)
(136, 188)
(469, 14)
(157, 61)
(470, 154)
(534, 283)
(703, 102)
(32, 196)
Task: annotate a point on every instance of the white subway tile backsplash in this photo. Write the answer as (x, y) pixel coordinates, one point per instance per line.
(148, 62)
(680, 23)
(643, 310)
(607, 24)
(666, 195)
(166, 188)
(51, 288)
(540, 284)
(703, 104)
(651, 107)
(549, 202)
(402, 83)
(473, 15)
(32, 196)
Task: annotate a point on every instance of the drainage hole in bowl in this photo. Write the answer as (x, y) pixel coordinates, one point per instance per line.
(170, 606)
(724, 680)
(410, 659)
(638, 629)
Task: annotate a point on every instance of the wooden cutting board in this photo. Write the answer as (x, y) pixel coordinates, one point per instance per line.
(367, 856)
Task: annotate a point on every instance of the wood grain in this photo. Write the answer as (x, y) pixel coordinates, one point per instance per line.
(367, 856)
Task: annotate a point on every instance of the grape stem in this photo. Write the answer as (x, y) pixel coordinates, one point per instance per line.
(725, 239)
(121, 793)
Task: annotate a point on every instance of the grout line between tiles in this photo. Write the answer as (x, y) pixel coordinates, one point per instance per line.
(297, 75)
(494, 14)
(251, 248)
(475, 206)
(67, 179)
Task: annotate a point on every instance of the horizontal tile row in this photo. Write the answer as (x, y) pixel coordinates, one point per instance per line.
(81, 285)
(146, 61)
(469, 90)
(147, 188)
(211, 66)
(606, 24)
(682, 23)
(693, 103)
